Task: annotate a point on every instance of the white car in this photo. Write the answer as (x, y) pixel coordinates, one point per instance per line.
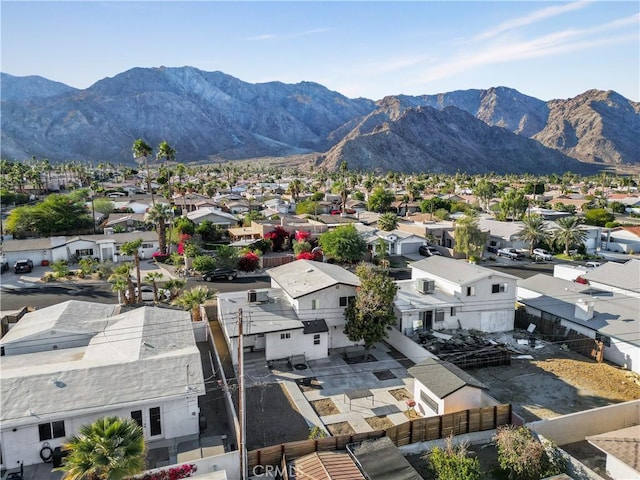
(542, 253)
(147, 293)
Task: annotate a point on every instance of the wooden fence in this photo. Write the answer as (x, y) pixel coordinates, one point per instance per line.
(418, 430)
(275, 261)
(550, 327)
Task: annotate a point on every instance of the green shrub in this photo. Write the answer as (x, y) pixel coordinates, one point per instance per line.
(453, 463)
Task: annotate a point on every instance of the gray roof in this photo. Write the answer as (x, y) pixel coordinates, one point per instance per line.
(615, 315)
(459, 272)
(302, 277)
(625, 276)
(70, 316)
(315, 326)
(146, 353)
(274, 315)
(409, 298)
(380, 459)
(443, 378)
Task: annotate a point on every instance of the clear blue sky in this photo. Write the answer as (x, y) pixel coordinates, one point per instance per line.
(360, 49)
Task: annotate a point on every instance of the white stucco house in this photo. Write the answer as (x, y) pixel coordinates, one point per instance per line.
(302, 314)
(440, 387)
(66, 365)
(445, 293)
(214, 215)
(105, 247)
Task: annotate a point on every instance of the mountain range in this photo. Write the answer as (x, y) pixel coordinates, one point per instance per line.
(212, 116)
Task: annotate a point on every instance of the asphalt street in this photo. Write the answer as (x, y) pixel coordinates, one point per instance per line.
(44, 295)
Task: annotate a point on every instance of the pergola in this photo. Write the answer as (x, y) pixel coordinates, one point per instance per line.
(356, 394)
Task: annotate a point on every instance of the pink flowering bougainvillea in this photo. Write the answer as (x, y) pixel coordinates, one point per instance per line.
(173, 473)
(301, 235)
(249, 262)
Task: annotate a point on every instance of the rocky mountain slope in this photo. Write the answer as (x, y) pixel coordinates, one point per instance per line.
(442, 141)
(211, 116)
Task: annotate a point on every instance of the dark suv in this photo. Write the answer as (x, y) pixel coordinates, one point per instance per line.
(220, 274)
(23, 266)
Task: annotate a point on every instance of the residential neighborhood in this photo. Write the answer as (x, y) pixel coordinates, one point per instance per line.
(340, 317)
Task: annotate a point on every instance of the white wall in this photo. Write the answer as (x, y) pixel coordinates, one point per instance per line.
(314, 352)
(575, 427)
(24, 445)
(624, 354)
(276, 348)
(410, 349)
(463, 399)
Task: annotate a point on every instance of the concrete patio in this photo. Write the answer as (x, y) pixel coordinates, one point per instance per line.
(331, 377)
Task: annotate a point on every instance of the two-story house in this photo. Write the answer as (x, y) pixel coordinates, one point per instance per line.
(301, 314)
(66, 365)
(445, 293)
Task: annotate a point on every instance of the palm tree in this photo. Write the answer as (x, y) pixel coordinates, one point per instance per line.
(132, 248)
(295, 187)
(192, 299)
(168, 153)
(158, 214)
(569, 232)
(174, 286)
(122, 282)
(142, 150)
(111, 448)
(153, 277)
(534, 231)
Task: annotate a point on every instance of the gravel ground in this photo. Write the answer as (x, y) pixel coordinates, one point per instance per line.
(557, 382)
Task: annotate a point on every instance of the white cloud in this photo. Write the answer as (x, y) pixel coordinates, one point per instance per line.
(271, 36)
(532, 17)
(548, 45)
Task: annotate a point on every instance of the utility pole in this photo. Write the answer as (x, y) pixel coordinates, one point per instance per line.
(241, 401)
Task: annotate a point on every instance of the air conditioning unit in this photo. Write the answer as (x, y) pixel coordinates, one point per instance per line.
(424, 285)
(254, 296)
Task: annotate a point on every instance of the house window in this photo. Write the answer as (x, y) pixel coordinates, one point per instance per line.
(344, 301)
(84, 252)
(136, 415)
(471, 291)
(439, 315)
(315, 304)
(426, 399)
(284, 336)
(498, 288)
(453, 311)
(51, 430)
(316, 339)
(147, 245)
(154, 421)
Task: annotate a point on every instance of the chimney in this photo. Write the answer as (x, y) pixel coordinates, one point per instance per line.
(584, 309)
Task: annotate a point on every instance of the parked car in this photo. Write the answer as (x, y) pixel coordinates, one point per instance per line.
(222, 273)
(542, 254)
(511, 253)
(592, 264)
(23, 266)
(147, 293)
(427, 251)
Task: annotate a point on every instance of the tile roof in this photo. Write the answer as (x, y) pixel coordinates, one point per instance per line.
(623, 444)
(326, 466)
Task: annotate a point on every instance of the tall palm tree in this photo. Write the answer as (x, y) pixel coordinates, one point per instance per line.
(153, 277)
(158, 214)
(111, 448)
(142, 150)
(192, 299)
(534, 231)
(295, 187)
(167, 153)
(121, 280)
(132, 248)
(569, 232)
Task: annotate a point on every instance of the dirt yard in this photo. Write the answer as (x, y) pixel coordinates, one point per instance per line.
(340, 428)
(379, 423)
(558, 382)
(324, 407)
